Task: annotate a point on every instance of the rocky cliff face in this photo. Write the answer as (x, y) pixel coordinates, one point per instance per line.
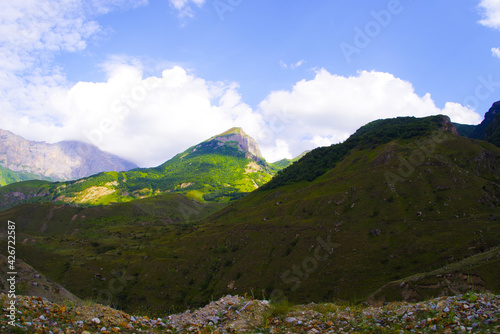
(480, 132)
(245, 143)
(447, 125)
(493, 129)
(65, 160)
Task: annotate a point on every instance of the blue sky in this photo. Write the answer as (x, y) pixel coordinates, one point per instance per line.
(147, 79)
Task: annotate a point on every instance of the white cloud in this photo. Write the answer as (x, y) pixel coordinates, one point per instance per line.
(328, 108)
(150, 119)
(298, 64)
(106, 6)
(183, 6)
(31, 34)
(145, 120)
(491, 13)
(495, 52)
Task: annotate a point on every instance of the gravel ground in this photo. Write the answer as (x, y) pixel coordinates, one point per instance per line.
(470, 313)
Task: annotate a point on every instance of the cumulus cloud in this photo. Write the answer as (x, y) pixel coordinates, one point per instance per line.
(32, 33)
(145, 119)
(150, 119)
(491, 13)
(328, 108)
(495, 52)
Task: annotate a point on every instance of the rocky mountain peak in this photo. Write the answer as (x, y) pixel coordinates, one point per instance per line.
(234, 130)
(447, 125)
(66, 160)
(489, 119)
(245, 143)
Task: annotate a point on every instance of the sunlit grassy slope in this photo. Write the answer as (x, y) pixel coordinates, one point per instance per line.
(214, 170)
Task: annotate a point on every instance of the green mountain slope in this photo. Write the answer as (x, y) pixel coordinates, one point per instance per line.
(488, 129)
(8, 176)
(222, 168)
(320, 160)
(378, 228)
(99, 252)
(283, 163)
(409, 198)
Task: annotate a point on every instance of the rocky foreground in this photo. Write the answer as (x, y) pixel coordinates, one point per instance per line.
(469, 313)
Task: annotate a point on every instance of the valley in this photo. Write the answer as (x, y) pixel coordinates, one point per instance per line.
(331, 227)
(229, 166)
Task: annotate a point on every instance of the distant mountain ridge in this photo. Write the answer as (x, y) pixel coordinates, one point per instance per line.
(482, 130)
(488, 129)
(66, 160)
(221, 168)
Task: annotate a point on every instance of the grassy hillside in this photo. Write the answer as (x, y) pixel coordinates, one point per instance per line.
(283, 163)
(322, 159)
(389, 209)
(215, 170)
(493, 131)
(8, 176)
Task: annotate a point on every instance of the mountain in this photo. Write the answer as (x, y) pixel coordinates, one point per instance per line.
(29, 282)
(238, 138)
(8, 176)
(320, 160)
(283, 163)
(222, 168)
(403, 200)
(488, 129)
(480, 132)
(492, 131)
(66, 160)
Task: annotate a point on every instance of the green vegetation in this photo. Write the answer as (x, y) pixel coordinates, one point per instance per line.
(212, 171)
(488, 129)
(283, 163)
(320, 160)
(8, 176)
(308, 240)
(493, 131)
(465, 130)
(277, 309)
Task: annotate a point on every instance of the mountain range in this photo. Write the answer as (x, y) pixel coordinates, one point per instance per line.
(404, 209)
(22, 159)
(231, 156)
(222, 168)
